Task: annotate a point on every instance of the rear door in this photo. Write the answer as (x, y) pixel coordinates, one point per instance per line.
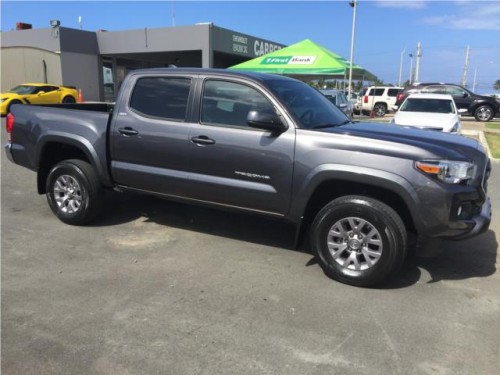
(233, 164)
(149, 137)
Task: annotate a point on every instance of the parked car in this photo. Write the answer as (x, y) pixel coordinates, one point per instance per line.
(340, 100)
(262, 144)
(37, 93)
(379, 99)
(482, 107)
(430, 112)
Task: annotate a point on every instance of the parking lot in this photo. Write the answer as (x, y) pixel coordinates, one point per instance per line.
(166, 288)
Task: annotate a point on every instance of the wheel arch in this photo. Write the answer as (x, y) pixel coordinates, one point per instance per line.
(386, 187)
(54, 149)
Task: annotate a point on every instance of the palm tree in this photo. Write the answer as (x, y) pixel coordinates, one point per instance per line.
(496, 86)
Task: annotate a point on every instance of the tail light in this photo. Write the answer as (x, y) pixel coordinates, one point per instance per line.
(9, 125)
(365, 99)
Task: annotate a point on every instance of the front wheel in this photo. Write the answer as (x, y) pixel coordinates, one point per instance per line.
(483, 113)
(358, 240)
(74, 192)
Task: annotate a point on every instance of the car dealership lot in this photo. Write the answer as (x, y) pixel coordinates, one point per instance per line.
(161, 287)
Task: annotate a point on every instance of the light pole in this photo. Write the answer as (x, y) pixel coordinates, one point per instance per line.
(353, 5)
(411, 66)
(401, 66)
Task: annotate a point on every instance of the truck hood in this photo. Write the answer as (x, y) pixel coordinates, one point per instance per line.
(387, 139)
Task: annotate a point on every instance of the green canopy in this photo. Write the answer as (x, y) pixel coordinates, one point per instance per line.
(304, 59)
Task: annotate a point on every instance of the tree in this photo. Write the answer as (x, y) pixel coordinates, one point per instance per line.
(496, 86)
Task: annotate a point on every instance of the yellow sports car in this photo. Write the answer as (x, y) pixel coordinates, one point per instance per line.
(37, 93)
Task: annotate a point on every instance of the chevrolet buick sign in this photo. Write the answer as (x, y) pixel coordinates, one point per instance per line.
(289, 60)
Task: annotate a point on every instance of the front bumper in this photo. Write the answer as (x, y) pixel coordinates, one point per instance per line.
(478, 224)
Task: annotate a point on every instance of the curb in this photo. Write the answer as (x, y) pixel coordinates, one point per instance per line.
(482, 140)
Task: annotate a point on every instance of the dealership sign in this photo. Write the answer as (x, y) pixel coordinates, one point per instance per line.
(289, 60)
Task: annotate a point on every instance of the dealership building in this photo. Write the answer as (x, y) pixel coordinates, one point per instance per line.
(97, 62)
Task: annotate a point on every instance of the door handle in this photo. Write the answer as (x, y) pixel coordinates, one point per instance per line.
(203, 140)
(128, 131)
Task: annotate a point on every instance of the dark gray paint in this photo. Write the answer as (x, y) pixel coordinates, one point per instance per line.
(160, 159)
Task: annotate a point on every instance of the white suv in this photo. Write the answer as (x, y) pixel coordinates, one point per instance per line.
(379, 99)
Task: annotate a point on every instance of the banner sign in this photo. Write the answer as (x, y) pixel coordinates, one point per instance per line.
(289, 60)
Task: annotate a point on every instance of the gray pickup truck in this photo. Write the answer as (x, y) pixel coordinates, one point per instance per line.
(265, 144)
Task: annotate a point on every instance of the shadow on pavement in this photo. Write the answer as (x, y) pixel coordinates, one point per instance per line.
(127, 207)
(457, 260)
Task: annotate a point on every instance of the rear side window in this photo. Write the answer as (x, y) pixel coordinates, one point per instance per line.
(162, 97)
(376, 92)
(434, 90)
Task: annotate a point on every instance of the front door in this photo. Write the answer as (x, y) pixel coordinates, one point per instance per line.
(233, 164)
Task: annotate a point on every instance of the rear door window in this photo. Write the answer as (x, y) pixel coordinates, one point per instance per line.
(161, 97)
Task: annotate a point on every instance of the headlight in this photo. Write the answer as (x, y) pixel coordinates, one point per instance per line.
(456, 127)
(451, 172)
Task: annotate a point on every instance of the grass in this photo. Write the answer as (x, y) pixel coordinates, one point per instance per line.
(493, 125)
(493, 140)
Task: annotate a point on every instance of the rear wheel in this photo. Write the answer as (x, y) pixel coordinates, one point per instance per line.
(74, 192)
(68, 100)
(11, 104)
(358, 240)
(380, 109)
(484, 113)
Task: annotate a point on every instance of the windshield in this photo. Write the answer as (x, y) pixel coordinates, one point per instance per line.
(428, 105)
(311, 109)
(23, 89)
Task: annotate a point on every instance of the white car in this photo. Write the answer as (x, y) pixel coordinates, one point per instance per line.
(429, 111)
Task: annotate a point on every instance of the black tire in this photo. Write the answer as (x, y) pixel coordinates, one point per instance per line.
(484, 113)
(12, 103)
(74, 192)
(68, 100)
(377, 231)
(379, 109)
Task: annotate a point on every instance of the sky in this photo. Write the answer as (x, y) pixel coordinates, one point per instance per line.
(384, 29)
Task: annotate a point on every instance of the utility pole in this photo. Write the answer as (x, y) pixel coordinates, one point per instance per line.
(411, 67)
(419, 55)
(466, 67)
(353, 5)
(173, 13)
(401, 66)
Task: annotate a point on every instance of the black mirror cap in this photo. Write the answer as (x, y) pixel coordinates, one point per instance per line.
(267, 120)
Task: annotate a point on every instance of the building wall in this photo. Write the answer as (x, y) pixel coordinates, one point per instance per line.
(25, 64)
(82, 70)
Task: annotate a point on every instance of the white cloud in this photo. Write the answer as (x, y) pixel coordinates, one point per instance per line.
(404, 4)
(483, 15)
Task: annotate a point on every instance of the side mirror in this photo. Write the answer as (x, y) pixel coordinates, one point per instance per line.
(343, 105)
(464, 95)
(395, 108)
(266, 120)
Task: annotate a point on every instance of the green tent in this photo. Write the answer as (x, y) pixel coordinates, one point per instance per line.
(304, 60)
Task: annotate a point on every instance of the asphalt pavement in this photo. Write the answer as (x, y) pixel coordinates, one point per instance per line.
(155, 287)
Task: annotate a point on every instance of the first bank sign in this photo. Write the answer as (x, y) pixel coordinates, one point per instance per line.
(289, 60)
